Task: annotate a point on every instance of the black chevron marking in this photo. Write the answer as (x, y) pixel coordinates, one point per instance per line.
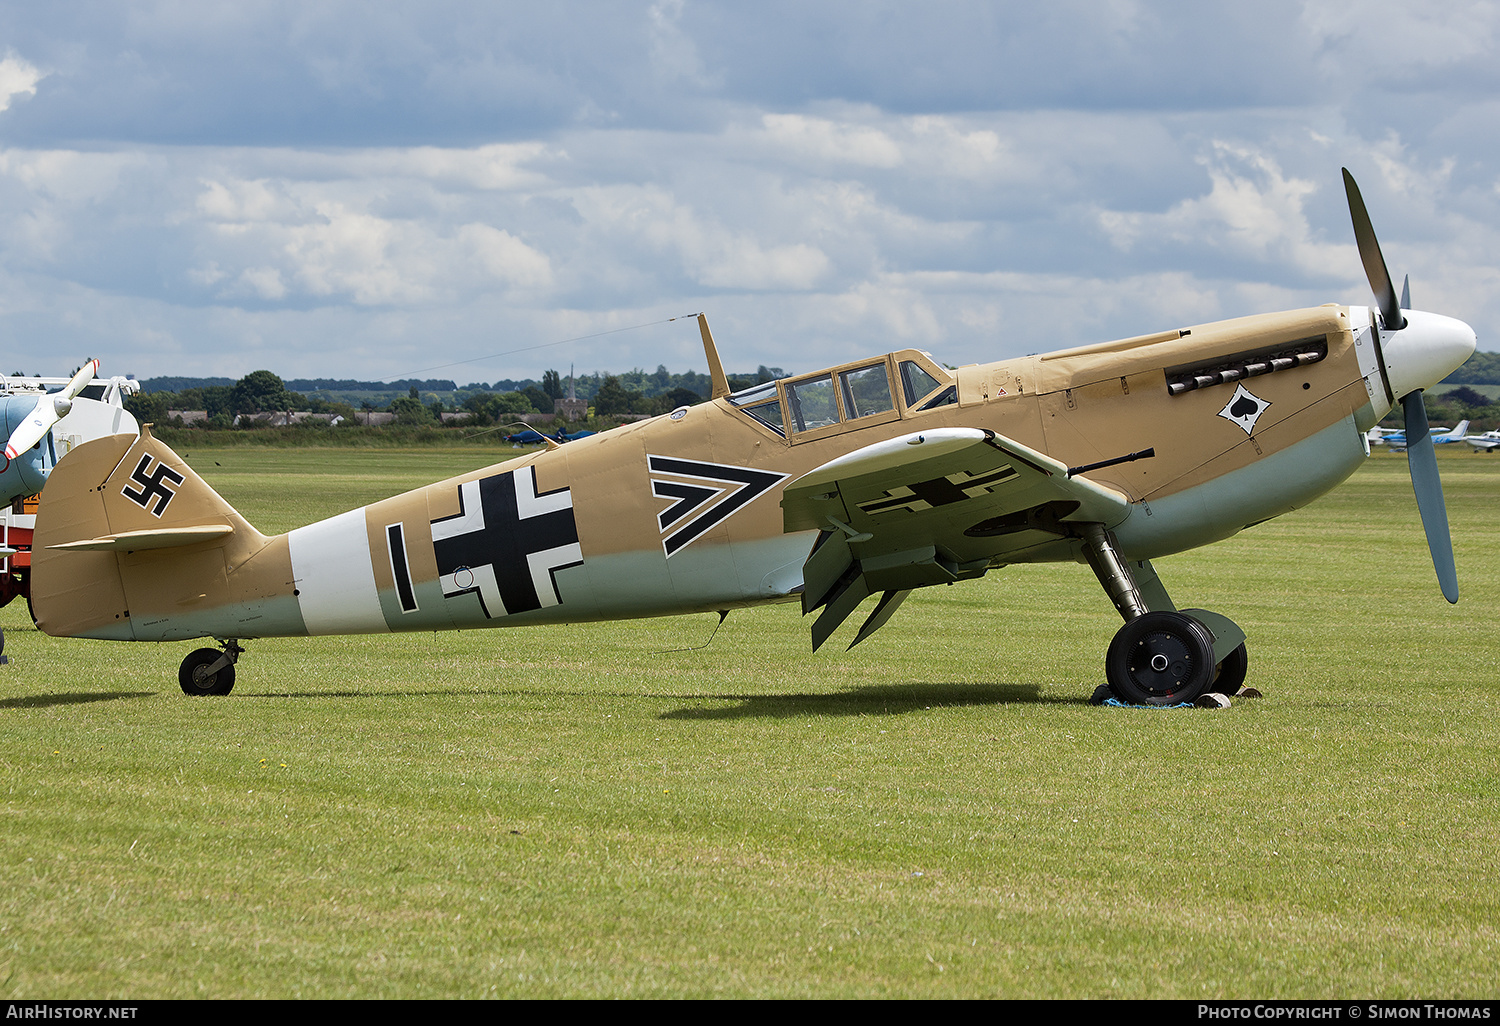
(707, 494)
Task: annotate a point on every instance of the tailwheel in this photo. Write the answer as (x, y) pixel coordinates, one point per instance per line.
(209, 671)
(1160, 658)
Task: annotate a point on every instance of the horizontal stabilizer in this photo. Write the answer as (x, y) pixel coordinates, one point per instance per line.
(127, 535)
(162, 538)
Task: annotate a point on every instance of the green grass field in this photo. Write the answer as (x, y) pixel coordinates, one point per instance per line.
(632, 810)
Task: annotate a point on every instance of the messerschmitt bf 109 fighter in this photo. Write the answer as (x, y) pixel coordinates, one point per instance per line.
(866, 480)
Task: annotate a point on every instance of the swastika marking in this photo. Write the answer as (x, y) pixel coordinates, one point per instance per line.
(159, 485)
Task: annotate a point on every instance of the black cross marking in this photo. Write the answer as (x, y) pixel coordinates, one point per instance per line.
(152, 486)
(507, 543)
(940, 491)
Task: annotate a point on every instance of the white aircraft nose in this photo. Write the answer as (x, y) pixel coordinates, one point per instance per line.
(1426, 351)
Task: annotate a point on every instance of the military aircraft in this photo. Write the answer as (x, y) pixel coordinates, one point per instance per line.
(872, 478)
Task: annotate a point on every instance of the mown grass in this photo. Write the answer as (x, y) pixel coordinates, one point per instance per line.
(346, 436)
(632, 809)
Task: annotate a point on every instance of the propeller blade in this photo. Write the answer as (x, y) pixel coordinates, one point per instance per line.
(1370, 255)
(49, 409)
(1421, 457)
(1406, 292)
(83, 377)
(37, 423)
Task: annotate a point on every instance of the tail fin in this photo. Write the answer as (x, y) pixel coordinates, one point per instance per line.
(128, 537)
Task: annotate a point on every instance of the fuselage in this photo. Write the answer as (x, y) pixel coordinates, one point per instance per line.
(1247, 419)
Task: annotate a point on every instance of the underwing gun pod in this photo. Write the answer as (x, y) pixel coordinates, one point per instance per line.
(863, 481)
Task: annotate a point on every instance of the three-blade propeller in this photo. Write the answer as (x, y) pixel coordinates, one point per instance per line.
(1421, 454)
(49, 409)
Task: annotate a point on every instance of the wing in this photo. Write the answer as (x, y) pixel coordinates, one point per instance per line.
(930, 508)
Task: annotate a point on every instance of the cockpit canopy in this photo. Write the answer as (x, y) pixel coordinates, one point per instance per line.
(853, 395)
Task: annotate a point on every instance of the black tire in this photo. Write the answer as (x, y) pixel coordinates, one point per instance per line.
(1161, 658)
(1230, 674)
(195, 682)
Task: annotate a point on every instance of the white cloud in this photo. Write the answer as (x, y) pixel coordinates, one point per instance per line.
(743, 264)
(231, 204)
(18, 77)
(499, 166)
(69, 177)
(824, 140)
(947, 146)
(674, 55)
(706, 251)
(506, 258)
(893, 309)
(350, 253)
(1253, 209)
(323, 239)
(1393, 36)
(264, 282)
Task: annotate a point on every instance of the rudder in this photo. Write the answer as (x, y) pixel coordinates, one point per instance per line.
(120, 520)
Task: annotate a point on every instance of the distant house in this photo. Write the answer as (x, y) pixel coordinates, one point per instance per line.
(282, 418)
(373, 418)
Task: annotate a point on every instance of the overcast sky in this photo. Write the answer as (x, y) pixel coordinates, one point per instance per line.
(380, 190)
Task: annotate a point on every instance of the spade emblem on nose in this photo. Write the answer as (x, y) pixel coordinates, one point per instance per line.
(1244, 409)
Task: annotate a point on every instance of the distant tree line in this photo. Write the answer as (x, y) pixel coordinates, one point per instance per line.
(1479, 369)
(634, 392)
(424, 402)
(177, 384)
(1450, 406)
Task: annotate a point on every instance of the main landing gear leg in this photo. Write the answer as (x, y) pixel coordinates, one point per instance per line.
(209, 671)
(1162, 656)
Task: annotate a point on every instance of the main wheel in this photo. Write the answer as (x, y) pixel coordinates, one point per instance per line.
(1160, 658)
(1230, 674)
(195, 678)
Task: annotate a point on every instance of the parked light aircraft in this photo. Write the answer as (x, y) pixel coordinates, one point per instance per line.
(1397, 439)
(869, 479)
(1487, 442)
